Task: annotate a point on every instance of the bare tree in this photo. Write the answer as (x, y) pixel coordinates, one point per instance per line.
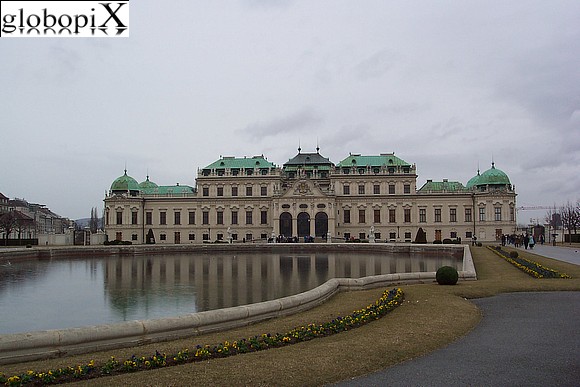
(23, 223)
(570, 218)
(15, 221)
(8, 224)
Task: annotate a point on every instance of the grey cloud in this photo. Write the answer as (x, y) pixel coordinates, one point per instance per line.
(296, 122)
(376, 65)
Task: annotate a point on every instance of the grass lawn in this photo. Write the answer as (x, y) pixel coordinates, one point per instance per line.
(432, 316)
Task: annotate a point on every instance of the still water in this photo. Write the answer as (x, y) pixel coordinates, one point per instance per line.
(65, 293)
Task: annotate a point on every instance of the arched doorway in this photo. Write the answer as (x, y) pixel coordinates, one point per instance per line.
(321, 224)
(286, 224)
(303, 224)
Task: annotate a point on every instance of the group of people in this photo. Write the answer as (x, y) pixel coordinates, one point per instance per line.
(527, 240)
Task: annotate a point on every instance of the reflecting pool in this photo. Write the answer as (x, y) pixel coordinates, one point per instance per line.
(65, 293)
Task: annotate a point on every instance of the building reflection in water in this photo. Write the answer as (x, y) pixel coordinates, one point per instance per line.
(134, 285)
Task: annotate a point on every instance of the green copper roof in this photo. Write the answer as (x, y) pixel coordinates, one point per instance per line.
(493, 176)
(473, 181)
(372, 161)
(125, 183)
(241, 163)
(147, 184)
(441, 186)
(168, 189)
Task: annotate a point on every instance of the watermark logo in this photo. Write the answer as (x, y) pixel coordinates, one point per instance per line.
(83, 19)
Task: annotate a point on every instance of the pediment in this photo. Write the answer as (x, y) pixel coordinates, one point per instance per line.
(303, 188)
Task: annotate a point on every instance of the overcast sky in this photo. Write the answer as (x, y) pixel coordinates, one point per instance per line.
(447, 85)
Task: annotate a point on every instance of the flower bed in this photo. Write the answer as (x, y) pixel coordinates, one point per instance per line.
(389, 300)
(528, 266)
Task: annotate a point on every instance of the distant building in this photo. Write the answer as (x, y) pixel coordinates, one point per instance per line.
(3, 203)
(245, 199)
(32, 219)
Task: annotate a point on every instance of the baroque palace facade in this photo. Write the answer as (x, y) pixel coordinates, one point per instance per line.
(361, 197)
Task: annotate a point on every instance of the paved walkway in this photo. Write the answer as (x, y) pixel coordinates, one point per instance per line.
(524, 339)
(562, 253)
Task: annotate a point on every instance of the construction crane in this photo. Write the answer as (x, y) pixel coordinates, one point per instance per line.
(531, 208)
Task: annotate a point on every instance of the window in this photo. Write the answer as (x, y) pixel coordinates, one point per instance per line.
(162, 237)
(248, 217)
(191, 217)
(220, 191)
(392, 215)
(205, 237)
(220, 217)
(205, 191)
(162, 217)
(361, 216)
(346, 236)
(264, 191)
(361, 189)
(391, 189)
(249, 237)
(119, 217)
(133, 237)
(205, 217)
(407, 212)
(263, 217)
(407, 188)
(482, 214)
(422, 215)
(220, 237)
(148, 217)
(453, 234)
(191, 237)
(453, 214)
(512, 214)
(468, 215)
(377, 189)
(177, 217)
(407, 236)
(234, 217)
(362, 235)
(346, 215)
(377, 216)
(497, 213)
(393, 235)
(134, 217)
(234, 191)
(249, 191)
(346, 189)
(438, 215)
(468, 234)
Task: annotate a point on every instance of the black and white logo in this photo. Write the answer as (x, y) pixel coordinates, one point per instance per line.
(98, 19)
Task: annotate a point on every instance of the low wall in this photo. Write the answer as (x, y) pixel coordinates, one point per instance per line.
(20, 347)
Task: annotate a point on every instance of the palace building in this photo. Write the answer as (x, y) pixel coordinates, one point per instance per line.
(362, 197)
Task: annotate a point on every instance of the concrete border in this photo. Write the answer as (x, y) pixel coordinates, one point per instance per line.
(21, 347)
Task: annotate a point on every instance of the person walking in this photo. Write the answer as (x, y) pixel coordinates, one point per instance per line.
(526, 241)
(532, 242)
